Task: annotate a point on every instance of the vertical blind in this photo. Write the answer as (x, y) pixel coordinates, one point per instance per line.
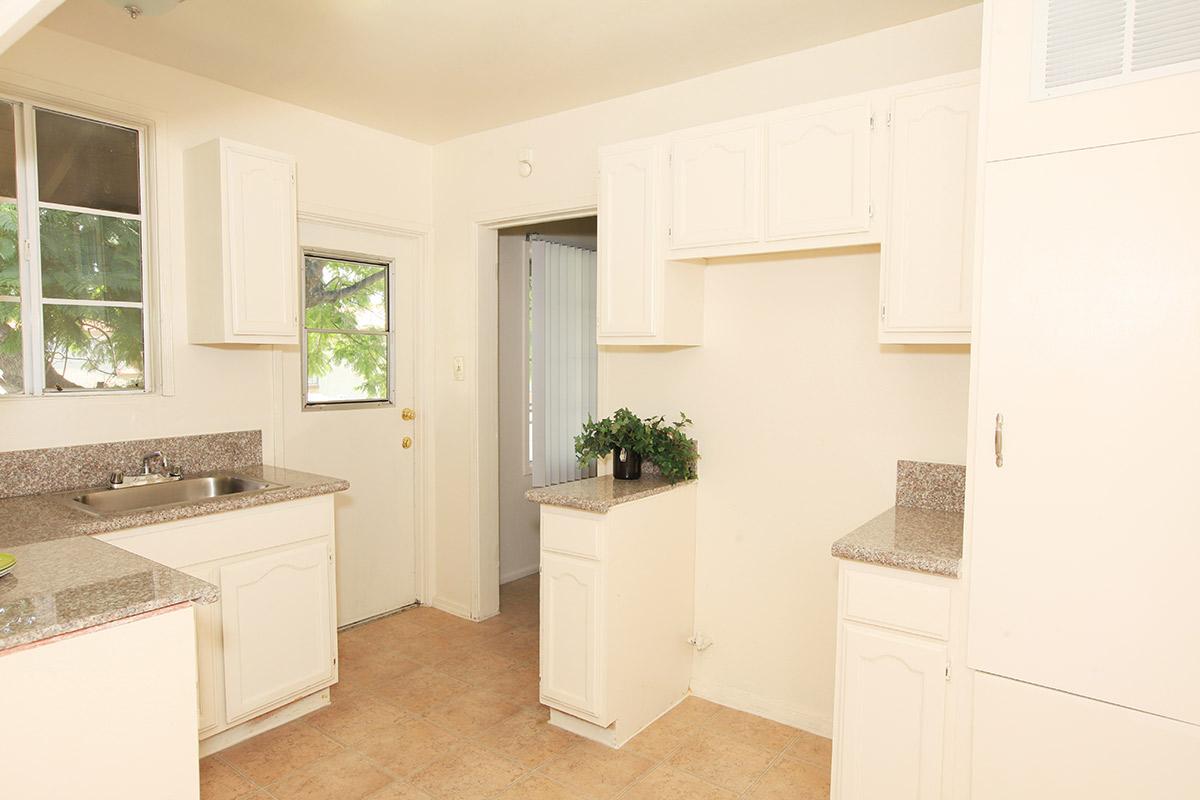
(564, 358)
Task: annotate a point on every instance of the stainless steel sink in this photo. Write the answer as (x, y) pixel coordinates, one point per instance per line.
(185, 490)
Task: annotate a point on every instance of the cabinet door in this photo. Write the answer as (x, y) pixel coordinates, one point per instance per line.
(571, 630)
(819, 174)
(208, 651)
(1089, 343)
(891, 715)
(260, 207)
(716, 185)
(628, 261)
(929, 248)
(278, 626)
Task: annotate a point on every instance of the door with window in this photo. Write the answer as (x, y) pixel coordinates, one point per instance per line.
(348, 409)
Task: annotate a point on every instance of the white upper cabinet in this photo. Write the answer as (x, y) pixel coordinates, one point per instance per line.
(925, 282)
(819, 173)
(716, 188)
(642, 298)
(1064, 75)
(242, 255)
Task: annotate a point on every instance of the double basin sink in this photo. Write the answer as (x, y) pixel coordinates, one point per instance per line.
(102, 502)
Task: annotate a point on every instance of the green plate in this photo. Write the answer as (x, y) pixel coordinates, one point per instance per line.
(6, 561)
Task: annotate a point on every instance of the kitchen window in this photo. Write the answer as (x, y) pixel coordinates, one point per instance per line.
(73, 264)
(347, 342)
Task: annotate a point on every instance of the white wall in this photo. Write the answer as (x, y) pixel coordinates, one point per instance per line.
(342, 167)
(800, 413)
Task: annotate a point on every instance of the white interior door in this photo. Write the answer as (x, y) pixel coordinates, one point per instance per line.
(375, 525)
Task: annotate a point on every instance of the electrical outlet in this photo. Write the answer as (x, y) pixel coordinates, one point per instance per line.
(460, 368)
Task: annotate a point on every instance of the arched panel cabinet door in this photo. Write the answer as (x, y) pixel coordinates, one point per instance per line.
(571, 646)
(278, 626)
(716, 187)
(892, 711)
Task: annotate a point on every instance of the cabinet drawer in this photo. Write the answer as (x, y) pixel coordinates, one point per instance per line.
(910, 603)
(574, 534)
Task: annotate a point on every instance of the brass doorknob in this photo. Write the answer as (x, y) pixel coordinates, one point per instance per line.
(406, 442)
(407, 413)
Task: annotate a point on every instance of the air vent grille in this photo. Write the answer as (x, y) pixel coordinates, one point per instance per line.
(1165, 32)
(1084, 44)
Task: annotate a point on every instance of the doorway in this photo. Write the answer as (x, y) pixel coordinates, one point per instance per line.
(347, 397)
(547, 372)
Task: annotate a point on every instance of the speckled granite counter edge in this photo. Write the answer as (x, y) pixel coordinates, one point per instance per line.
(558, 495)
(916, 562)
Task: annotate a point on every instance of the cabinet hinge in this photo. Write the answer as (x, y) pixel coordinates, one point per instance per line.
(883, 312)
(947, 670)
(870, 210)
(872, 122)
(889, 119)
(668, 231)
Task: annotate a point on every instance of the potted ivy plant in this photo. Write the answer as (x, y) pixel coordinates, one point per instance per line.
(630, 438)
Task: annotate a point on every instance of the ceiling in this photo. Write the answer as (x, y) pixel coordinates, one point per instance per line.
(432, 70)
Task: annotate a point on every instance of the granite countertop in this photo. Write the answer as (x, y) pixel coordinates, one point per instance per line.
(923, 532)
(45, 517)
(66, 585)
(64, 580)
(908, 537)
(600, 494)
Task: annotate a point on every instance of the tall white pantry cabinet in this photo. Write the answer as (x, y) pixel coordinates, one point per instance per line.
(1082, 547)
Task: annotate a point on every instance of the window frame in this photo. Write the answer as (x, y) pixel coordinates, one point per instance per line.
(32, 301)
(389, 265)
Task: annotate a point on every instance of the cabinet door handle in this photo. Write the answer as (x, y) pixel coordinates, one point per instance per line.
(999, 440)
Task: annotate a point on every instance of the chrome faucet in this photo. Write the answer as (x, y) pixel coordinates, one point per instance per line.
(149, 459)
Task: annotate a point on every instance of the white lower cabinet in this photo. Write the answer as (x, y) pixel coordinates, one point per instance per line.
(271, 638)
(895, 721)
(571, 621)
(277, 617)
(617, 609)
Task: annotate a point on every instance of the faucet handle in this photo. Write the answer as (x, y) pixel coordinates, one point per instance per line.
(115, 479)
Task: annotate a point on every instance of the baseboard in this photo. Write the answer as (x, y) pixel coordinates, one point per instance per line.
(517, 574)
(451, 607)
(820, 724)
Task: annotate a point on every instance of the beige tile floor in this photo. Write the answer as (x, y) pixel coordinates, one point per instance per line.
(432, 707)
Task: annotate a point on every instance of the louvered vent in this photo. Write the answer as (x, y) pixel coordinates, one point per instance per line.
(1165, 32)
(1084, 44)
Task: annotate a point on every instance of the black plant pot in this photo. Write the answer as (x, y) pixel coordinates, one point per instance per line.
(627, 465)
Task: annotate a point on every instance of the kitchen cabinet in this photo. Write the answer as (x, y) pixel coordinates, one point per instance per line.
(276, 614)
(208, 651)
(269, 644)
(570, 664)
(928, 250)
(641, 297)
(716, 187)
(617, 610)
(819, 172)
(242, 257)
(1087, 351)
(105, 713)
(897, 697)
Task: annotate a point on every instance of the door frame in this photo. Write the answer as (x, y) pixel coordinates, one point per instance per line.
(423, 366)
(484, 536)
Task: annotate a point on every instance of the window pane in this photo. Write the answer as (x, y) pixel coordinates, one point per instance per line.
(86, 163)
(347, 366)
(11, 379)
(344, 295)
(8, 151)
(10, 263)
(92, 347)
(88, 257)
